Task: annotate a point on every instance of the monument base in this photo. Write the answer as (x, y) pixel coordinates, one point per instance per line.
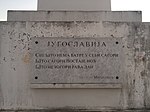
(130, 68)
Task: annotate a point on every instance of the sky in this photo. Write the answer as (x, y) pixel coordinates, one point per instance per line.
(116, 5)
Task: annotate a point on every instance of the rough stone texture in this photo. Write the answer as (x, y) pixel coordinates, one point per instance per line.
(74, 5)
(70, 110)
(116, 16)
(15, 91)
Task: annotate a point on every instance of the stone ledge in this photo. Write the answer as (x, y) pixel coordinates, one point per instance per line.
(76, 86)
(115, 16)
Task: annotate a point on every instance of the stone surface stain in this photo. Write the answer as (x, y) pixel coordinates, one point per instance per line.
(26, 58)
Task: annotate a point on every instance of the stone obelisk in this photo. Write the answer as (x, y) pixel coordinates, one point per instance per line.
(80, 5)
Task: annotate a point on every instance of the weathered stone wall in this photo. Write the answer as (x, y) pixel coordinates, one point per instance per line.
(116, 16)
(15, 47)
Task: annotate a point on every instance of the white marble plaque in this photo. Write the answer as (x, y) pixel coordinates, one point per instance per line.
(76, 60)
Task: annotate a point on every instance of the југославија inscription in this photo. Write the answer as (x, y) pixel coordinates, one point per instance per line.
(76, 60)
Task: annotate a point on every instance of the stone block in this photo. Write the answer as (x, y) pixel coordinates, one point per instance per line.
(116, 16)
(16, 71)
